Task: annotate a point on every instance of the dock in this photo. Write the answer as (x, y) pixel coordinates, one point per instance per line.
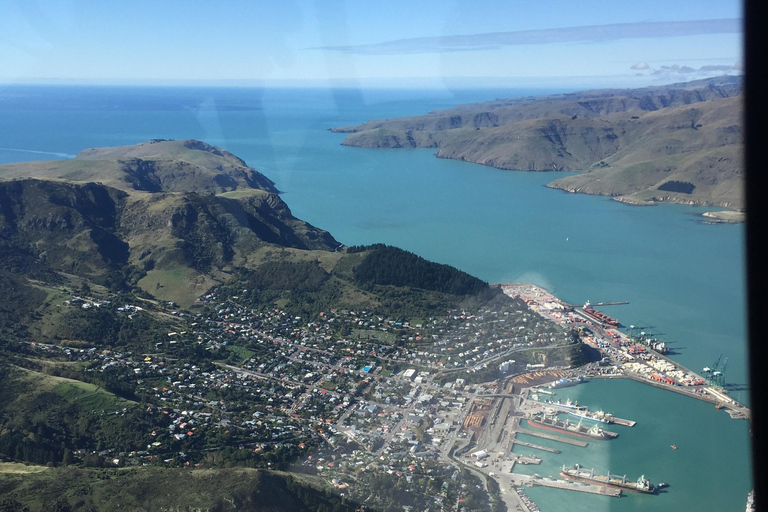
(619, 303)
(552, 437)
(525, 460)
(623, 422)
(537, 446)
(568, 485)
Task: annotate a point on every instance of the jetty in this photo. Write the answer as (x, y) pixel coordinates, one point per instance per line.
(537, 446)
(568, 485)
(619, 303)
(526, 460)
(551, 437)
(623, 422)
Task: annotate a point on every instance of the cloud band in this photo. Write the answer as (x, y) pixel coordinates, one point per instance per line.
(588, 34)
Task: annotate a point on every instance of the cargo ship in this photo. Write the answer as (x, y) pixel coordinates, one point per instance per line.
(598, 416)
(564, 382)
(599, 315)
(618, 482)
(565, 405)
(544, 421)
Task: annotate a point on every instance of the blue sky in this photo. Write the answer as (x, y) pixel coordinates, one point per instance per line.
(364, 42)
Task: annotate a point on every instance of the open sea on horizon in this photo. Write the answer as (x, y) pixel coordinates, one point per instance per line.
(680, 276)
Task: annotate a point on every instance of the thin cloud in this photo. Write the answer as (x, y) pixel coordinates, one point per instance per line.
(640, 66)
(676, 69)
(593, 34)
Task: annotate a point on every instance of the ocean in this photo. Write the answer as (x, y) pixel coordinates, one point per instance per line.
(683, 279)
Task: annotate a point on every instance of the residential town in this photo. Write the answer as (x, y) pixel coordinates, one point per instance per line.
(365, 401)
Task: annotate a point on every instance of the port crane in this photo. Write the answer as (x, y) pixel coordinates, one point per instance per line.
(716, 374)
(645, 336)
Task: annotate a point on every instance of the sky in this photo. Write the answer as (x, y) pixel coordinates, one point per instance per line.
(357, 42)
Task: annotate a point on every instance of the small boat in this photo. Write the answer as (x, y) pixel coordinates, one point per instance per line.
(662, 485)
(673, 447)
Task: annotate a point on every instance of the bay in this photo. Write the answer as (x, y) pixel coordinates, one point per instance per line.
(684, 278)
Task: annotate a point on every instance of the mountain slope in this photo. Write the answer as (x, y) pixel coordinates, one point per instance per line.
(632, 142)
(175, 245)
(153, 166)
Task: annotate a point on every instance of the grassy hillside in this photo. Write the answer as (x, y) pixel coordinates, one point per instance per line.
(35, 489)
(387, 280)
(631, 142)
(153, 166)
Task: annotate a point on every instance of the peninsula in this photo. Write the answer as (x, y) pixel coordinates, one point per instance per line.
(678, 143)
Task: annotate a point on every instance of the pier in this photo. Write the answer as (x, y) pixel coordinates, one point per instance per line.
(620, 303)
(568, 485)
(623, 422)
(526, 460)
(552, 437)
(543, 406)
(537, 446)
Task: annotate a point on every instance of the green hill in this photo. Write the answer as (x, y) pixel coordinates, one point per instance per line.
(173, 242)
(153, 166)
(33, 489)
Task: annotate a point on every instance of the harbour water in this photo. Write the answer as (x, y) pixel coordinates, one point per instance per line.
(680, 276)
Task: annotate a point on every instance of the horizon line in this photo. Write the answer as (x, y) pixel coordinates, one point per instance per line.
(357, 82)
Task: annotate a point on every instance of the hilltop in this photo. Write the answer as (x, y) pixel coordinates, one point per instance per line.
(677, 143)
(153, 166)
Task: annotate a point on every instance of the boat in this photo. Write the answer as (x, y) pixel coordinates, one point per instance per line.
(566, 405)
(673, 447)
(598, 416)
(599, 315)
(576, 472)
(564, 382)
(547, 422)
(542, 391)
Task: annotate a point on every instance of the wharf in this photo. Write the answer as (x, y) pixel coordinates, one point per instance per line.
(537, 446)
(623, 422)
(552, 437)
(526, 460)
(619, 303)
(568, 485)
(734, 409)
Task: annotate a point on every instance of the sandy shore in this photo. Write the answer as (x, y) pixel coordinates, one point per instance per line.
(726, 216)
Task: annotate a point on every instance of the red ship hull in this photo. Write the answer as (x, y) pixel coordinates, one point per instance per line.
(601, 317)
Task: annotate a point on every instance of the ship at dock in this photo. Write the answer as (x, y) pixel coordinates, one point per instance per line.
(564, 382)
(576, 472)
(568, 404)
(541, 420)
(599, 316)
(598, 416)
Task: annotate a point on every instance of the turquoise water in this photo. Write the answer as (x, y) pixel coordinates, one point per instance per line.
(682, 277)
(708, 471)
